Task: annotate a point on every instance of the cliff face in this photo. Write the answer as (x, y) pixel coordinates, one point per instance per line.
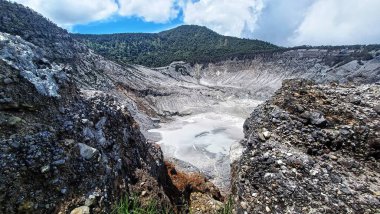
(68, 137)
(62, 148)
(311, 148)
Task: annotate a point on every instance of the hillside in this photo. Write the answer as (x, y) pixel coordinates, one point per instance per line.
(188, 43)
(18, 20)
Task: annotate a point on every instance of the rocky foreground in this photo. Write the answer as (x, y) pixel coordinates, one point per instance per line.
(66, 142)
(312, 149)
(61, 148)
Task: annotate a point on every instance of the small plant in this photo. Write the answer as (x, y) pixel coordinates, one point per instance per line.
(132, 205)
(228, 206)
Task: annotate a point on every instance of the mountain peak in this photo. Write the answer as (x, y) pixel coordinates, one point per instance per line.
(190, 43)
(189, 29)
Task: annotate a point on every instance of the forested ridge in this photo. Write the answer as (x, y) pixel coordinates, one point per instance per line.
(188, 43)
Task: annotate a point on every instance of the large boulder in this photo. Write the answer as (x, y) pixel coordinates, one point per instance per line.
(321, 155)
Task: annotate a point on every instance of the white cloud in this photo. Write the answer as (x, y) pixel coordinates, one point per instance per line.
(70, 12)
(336, 22)
(290, 22)
(149, 10)
(67, 13)
(283, 22)
(279, 19)
(227, 17)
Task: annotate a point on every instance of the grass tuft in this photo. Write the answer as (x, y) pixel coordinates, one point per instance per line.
(228, 206)
(132, 205)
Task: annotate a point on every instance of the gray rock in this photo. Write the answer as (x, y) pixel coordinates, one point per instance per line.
(12, 121)
(266, 134)
(6, 100)
(43, 80)
(155, 119)
(88, 132)
(59, 162)
(15, 144)
(314, 118)
(318, 119)
(261, 136)
(87, 152)
(90, 200)
(81, 210)
(7, 81)
(346, 190)
(100, 124)
(355, 100)
(45, 168)
(64, 190)
(244, 205)
(300, 108)
(335, 178)
(377, 108)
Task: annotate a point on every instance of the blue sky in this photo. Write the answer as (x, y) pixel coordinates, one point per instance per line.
(282, 22)
(121, 24)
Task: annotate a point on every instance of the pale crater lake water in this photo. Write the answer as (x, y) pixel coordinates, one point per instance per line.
(204, 139)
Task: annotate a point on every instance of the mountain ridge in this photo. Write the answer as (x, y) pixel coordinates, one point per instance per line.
(188, 43)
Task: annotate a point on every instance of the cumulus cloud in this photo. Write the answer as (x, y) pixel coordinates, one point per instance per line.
(279, 19)
(227, 17)
(336, 22)
(69, 12)
(283, 22)
(151, 11)
(290, 22)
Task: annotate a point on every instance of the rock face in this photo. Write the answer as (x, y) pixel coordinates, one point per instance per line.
(67, 138)
(57, 153)
(311, 149)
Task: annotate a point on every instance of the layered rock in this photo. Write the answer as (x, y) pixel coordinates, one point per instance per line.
(311, 149)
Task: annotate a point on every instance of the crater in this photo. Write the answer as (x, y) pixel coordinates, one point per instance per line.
(204, 139)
